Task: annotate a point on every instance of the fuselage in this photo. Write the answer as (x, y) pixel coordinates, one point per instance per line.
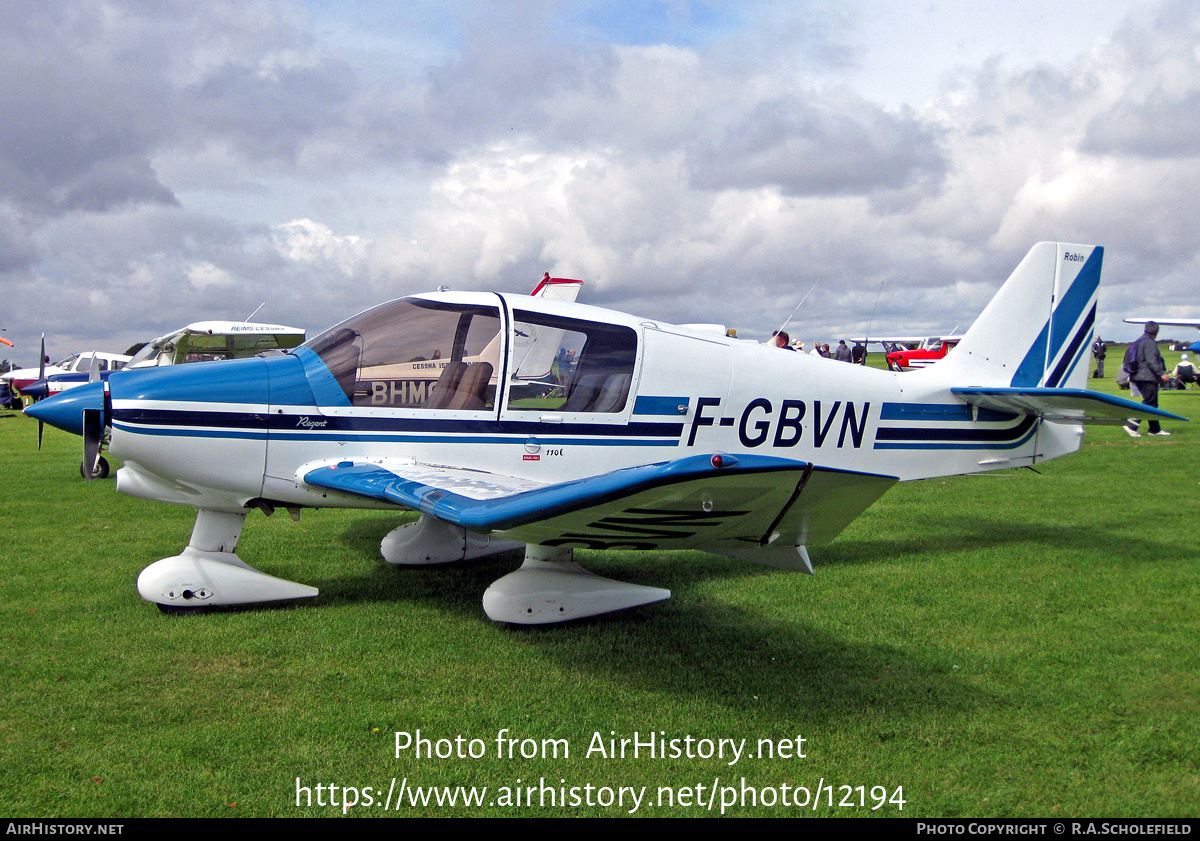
(219, 436)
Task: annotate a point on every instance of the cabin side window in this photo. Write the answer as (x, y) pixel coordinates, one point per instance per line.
(414, 354)
(565, 365)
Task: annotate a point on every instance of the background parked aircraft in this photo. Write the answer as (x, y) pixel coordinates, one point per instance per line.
(1172, 322)
(76, 363)
(931, 349)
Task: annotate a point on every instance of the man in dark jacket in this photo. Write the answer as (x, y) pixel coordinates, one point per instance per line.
(1099, 351)
(1146, 371)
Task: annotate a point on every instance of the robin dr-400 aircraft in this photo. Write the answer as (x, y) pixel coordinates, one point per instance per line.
(470, 409)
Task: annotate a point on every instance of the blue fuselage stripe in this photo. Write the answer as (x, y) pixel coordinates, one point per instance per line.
(925, 434)
(957, 445)
(299, 425)
(941, 412)
(276, 427)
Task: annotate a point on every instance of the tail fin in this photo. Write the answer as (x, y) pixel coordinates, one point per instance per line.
(558, 288)
(1037, 330)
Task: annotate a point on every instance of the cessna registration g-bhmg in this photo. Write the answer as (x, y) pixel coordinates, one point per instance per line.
(563, 426)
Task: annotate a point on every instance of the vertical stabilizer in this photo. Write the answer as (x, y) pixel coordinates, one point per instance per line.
(558, 288)
(1037, 330)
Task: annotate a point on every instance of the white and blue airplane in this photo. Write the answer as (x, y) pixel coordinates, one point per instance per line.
(658, 436)
(1172, 322)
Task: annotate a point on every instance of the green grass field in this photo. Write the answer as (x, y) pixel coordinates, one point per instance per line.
(1015, 644)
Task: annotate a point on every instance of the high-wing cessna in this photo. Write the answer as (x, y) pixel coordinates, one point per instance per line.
(1169, 322)
(202, 341)
(563, 426)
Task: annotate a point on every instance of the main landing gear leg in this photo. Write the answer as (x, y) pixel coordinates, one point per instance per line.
(209, 573)
(433, 541)
(550, 587)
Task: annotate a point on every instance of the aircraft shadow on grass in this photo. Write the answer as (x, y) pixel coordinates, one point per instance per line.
(964, 535)
(727, 654)
(696, 648)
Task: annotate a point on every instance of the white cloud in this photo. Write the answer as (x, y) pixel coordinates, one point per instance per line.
(309, 242)
(244, 153)
(205, 275)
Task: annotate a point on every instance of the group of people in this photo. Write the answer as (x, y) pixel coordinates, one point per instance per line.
(842, 353)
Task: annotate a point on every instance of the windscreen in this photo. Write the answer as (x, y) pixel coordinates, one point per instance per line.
(416, 354)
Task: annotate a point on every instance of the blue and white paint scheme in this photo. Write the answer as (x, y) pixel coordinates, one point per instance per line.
(76, 369)
(507, 420)
(1194, 347)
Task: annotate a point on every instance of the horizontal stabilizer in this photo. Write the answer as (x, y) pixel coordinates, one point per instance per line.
(751, 507)
(1062, 405)
(1166, 322)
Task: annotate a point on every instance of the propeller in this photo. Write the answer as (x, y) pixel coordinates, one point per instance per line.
(41, 376)
(94, 424)
(91, 443)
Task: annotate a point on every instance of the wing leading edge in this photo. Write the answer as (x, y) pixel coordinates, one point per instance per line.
(754, 507)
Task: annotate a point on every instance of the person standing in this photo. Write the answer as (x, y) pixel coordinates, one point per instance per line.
(1098, 351)
(1146, 371)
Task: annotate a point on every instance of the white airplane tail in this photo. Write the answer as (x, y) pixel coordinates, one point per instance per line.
(1037, 330)
(558, 288)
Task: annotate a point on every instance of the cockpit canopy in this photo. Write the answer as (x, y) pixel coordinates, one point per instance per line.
(417, 353)
(207, 341)
(83, 362)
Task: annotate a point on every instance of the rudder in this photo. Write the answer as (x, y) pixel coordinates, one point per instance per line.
(1037, 330)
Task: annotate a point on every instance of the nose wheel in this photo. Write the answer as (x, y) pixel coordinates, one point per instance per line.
(99, 471)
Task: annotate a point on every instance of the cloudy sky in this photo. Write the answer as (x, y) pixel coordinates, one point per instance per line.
(164, 162)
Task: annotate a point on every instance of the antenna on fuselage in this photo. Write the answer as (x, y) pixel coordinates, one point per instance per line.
(802, 300)
(256, 309)
(871, 320)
